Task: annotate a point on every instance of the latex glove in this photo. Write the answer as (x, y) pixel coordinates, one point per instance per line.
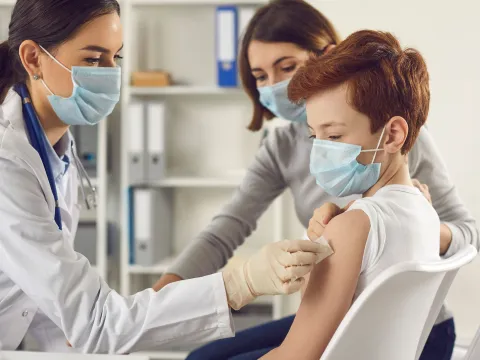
(278, 268)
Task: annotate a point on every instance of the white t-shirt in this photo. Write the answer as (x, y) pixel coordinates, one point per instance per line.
(403, 227)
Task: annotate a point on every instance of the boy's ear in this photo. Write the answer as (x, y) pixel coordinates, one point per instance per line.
(396, 134)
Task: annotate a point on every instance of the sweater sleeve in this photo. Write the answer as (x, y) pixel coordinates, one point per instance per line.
(263, 182)
(427, 166)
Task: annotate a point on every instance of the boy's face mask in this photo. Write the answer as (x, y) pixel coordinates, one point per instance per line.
(337, 171)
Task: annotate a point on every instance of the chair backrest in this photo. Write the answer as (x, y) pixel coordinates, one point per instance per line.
(437, 305)
(388, 319)
(473, 352)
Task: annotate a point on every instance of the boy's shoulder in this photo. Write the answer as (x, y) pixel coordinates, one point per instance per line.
(351, 226)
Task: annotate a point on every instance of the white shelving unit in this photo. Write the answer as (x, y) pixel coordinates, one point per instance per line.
(207, 149)
(195, 2)
(99, 215)
(197, 182)
(157, 269)
(101, 185)
(184, 90)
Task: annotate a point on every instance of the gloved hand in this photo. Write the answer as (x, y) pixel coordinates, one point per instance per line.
(278, 268)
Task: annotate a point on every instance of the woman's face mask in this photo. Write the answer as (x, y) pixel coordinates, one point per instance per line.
(273, 65)
(275, 99)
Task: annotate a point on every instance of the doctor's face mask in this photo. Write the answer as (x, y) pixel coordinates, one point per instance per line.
(96, 92)
(82, 78)
(346, 157)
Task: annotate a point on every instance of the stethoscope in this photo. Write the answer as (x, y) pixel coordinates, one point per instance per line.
(39, 141)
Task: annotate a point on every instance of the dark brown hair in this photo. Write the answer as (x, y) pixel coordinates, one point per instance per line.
(49, 23)
(289, 21)
(383, 80)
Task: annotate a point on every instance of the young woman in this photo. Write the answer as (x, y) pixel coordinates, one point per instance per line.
(59, 68)
(280, 38)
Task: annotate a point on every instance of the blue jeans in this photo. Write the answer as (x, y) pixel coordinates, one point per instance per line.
(253, 343)
(440, 342)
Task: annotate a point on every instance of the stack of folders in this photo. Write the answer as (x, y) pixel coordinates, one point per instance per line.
(150, 225)
(146, 135)
(150, 208)
(231, 22)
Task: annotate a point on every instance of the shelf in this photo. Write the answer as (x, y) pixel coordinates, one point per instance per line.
(159, 268)
(164, 355)
(198, 182)
(184, 90)
(164, 265)
(198, 2)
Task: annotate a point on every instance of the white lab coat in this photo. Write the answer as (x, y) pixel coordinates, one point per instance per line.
(48, 287)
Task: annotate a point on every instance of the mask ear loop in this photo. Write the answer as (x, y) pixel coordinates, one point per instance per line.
(46, 87)
(54, 59)
(379, 141)
(58, 62)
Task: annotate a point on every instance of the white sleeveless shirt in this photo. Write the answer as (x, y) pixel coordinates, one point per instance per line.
(403, 227)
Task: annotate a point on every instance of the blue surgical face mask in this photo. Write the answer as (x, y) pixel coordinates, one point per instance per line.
(275, 99)
(337, 171)
(96, 91)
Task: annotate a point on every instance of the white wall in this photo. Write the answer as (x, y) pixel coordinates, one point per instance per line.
(447, 34)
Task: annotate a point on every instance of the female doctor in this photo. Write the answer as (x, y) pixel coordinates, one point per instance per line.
(58, 68)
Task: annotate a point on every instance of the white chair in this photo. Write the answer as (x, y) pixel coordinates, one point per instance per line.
(24, 355)
(388, 319)
(459, 353)
(473, 352)
(435, 309)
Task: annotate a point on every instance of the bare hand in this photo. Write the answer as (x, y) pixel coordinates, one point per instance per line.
(321, 217)
(423, 189)
(165, 280)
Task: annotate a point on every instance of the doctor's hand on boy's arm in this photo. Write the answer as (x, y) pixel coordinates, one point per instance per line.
(278, 268)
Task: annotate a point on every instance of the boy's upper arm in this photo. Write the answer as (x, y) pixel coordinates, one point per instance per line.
(331, 288)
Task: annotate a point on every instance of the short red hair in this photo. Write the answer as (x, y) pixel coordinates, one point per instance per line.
(383, 80)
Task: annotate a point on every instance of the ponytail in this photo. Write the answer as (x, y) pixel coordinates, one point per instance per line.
(7, 72)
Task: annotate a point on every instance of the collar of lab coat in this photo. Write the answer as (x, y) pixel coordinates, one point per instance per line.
(13, 113)
(60, 159)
